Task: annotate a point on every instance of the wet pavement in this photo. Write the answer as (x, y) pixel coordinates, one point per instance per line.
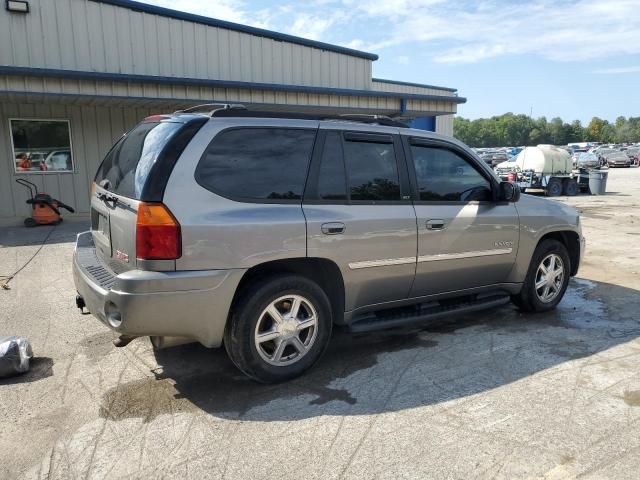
(492, 395)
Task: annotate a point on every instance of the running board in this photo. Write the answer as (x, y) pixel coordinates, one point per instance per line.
(423, 313)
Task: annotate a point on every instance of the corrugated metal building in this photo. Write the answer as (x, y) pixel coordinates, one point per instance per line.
(76, 74)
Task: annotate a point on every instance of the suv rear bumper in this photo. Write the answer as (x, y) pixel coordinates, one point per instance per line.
(192, 304)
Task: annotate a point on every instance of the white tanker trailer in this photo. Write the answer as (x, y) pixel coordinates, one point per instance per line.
(544, 167)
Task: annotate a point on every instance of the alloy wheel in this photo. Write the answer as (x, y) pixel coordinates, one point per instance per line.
(549, 278)
(286, 330)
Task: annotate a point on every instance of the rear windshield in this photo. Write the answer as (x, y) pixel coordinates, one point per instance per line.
(125, 169)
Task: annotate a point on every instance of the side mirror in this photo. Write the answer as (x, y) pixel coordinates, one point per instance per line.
(509, 192)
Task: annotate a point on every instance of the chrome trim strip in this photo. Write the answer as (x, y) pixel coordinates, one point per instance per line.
(382, 263)
(428, 258)
(456, 256)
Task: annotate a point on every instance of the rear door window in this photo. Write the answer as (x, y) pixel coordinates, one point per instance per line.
(126, 167)
(257, 164)
(372, 170)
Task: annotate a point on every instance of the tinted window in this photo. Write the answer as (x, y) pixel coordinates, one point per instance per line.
(257, 163)
(125, 168)
(332, 183)
(443, 175)
(372, 171)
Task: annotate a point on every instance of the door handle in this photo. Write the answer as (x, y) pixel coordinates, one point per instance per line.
(435, 224)
(333, 228)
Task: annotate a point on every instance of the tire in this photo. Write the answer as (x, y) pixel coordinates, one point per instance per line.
(265, 361)
(571, 187)
(529, 299)
(554, 187)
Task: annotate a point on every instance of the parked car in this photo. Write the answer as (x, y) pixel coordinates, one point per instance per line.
(259, 231)
(617, 158)
(494, 158)
(587, 161)
(634, 155)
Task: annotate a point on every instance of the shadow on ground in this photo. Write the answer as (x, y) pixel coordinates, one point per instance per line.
(394, 370)
(39, 368)
(19, 236)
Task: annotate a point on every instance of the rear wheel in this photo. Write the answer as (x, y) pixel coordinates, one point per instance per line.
(279, 328)
(571, 187)
(554, 187)
(547, 278)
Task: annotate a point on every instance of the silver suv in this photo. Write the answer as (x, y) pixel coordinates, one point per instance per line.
(260, 231)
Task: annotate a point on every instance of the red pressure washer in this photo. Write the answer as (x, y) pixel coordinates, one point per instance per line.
(44, 208)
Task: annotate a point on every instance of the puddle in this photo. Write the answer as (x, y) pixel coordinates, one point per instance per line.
(98, 345)
(632, 398)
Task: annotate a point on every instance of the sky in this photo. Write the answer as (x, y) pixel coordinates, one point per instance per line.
(573, 59)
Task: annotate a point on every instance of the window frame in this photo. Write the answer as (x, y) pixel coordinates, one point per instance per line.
(408, 141)
(42, 172)
(275, 201)
(311, 196)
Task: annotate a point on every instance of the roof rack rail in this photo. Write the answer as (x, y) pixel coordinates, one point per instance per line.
(211, 108)
(360, 118)
(375, 119)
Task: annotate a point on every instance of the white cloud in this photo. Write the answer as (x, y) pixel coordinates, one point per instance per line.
(449, 31)
(617, 70)
(402, 60)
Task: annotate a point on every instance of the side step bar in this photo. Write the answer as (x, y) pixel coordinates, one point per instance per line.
(423, 314)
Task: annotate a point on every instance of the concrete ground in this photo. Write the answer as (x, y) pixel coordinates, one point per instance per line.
(490, 395)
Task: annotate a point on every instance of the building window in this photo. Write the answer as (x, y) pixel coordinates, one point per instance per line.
(41, 146)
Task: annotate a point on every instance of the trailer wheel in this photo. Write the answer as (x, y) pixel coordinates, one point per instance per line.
(570, 187)
(554, 187)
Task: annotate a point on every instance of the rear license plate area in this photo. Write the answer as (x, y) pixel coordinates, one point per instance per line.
(100, 224)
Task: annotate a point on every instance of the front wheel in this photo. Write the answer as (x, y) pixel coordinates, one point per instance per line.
(547, 278)
(279, 328)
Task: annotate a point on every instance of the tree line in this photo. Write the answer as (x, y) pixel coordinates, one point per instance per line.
(517, 130)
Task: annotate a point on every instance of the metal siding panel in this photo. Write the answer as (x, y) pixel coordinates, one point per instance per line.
(176, 49)
(224, 44)
(19, 39)
(325, 69)
(96, 40)
(65, 34)
(136, 29)
(158, 58)
(189, 49)
(307, 66)
(212, 59)
(124, 40)
(7, 202)
(201, 53)
(244, 58)
(6, 54)
(109, 38)
(82, 179)
(234, 53)
(287, 62)
(296, 65)
(49, 33)
(80, 29)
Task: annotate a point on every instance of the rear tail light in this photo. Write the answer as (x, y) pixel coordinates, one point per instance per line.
(511, 177)
(158, 234)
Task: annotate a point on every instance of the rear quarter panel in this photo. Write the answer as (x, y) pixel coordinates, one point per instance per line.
(219, 233)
